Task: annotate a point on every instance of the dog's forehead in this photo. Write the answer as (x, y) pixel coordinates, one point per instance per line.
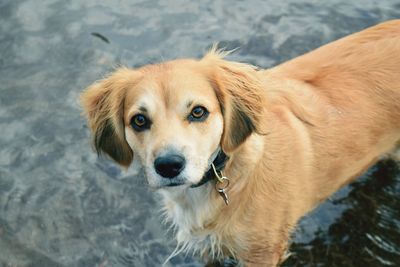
(170, 82)
(172, 73)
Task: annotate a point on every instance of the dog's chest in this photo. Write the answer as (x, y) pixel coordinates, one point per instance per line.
(189, 218)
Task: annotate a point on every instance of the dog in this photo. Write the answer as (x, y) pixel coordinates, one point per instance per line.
(240, 154)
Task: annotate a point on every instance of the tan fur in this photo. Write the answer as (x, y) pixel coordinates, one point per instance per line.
(295, 134)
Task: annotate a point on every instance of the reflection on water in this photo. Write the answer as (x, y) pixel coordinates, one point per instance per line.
(62, 206)
(367, 233)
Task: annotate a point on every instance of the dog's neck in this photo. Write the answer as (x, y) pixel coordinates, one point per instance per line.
(217, 164)
(192, 210)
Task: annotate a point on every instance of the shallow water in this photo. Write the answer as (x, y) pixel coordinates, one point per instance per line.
(60, 205)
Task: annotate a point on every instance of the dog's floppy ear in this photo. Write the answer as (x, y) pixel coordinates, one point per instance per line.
(103, 103)
(239, 92)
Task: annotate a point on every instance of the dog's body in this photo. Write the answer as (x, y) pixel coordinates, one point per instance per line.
(294, 135)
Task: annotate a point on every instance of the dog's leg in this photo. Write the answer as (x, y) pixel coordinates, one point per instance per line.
(257, 258)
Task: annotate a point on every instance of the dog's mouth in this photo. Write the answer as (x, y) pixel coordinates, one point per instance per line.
(173, 184)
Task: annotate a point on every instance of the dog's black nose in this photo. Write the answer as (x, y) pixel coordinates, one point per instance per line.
(169, 166)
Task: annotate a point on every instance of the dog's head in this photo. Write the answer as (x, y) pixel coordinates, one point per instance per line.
(173, 116)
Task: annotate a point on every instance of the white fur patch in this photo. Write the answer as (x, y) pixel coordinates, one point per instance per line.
(188, 210)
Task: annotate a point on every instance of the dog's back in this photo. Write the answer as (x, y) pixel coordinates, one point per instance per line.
(353, 102)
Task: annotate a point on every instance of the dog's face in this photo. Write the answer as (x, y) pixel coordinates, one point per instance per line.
(173, 123)
(173, 116)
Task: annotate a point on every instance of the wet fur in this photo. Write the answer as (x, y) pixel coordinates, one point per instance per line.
(295, 134)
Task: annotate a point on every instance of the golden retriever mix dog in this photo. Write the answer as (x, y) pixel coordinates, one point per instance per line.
(238, 154)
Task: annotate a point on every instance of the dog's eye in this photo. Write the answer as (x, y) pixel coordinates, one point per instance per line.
(198, 113)
(140, 122)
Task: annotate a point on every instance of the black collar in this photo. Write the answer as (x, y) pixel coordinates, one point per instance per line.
(219, 163)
